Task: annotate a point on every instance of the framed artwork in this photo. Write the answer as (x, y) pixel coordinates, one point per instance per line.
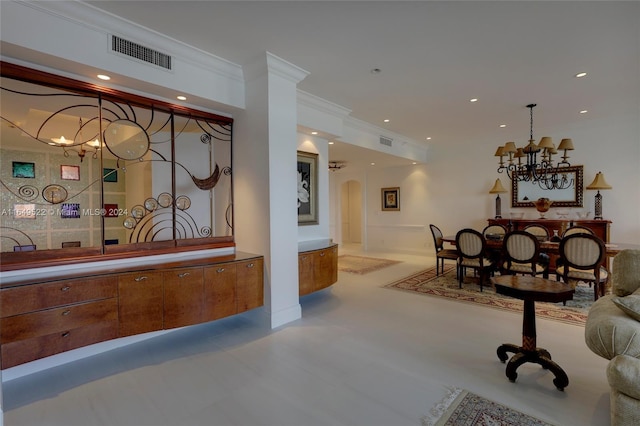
(110, 175)
(70, 172)
(391, 199)
(21, 169)
(110, 210)
(70, 211)
(307, 188)
(24, 211)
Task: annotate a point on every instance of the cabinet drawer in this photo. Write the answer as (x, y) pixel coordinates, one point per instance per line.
(22, 351)
(36, 297)
(42, 323)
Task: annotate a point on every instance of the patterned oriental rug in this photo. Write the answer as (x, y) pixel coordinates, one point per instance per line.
(446, 285)
(464, 408)
(362, 265)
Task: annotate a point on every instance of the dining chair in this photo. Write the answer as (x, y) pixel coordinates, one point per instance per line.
(471, 246)
(496, 231)
(441, 253)
(539, 231)
(521, 254)
(577, 229)
(582, 257)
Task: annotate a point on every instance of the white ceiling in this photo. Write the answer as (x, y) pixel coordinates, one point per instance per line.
(433, 56)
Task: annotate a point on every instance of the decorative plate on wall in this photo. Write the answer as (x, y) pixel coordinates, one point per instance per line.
(54, 194)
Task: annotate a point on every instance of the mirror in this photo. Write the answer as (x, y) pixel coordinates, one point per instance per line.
(164, 179)
(523, 194)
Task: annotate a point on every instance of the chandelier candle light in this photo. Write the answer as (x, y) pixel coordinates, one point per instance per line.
(544, 173)
(498, 189)
(599, 183)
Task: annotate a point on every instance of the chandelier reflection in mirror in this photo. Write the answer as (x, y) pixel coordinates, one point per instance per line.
(522, 163)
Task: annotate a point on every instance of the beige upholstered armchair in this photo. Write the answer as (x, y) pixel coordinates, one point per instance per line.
(613, 332)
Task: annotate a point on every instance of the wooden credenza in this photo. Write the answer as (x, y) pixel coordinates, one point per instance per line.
(317, 269)
(40, 318)
(599, 227)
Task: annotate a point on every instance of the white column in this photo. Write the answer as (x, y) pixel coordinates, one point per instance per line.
(265, 186)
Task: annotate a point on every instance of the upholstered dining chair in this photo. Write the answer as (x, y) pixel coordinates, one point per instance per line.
(493, 231)
(441, 253)
(577, 229)
(521, 254)
(471, 246)
(582, 257)
(538, 231)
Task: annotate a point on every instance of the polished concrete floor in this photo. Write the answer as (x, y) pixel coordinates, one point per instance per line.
(361, 355)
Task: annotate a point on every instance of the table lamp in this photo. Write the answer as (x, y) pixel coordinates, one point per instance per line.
(498, 189)
(599, 183)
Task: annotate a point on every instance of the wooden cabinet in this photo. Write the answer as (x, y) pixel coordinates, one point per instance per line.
(40, 319)
(219, 299)
(317, 269)
(140, 302)
(183, 291)
(249, 284)
(45, 319)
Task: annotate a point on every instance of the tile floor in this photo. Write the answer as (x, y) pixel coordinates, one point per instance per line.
(361, 355)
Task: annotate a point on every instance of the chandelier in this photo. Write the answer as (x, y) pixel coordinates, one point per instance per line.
(70, 144)
(336, 165)
(523, 164)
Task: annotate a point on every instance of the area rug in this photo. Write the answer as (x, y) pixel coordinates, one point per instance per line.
(446, 286)
(464, 408)
(362, 265)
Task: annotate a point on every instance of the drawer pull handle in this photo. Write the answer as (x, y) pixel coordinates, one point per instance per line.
(250, 265)
(220, 270)
(322, 254)
(65, 313)
(184, 274)
(65, 334)
(142, 278)
(65, 288)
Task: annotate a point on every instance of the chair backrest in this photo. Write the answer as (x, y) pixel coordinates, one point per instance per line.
(470, 243)
(577, 229)
(437, 237)
(521, 247)
(538, 231)
(494, 232)
(582, 251)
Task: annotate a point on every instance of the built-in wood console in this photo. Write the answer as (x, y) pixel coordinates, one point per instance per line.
(317, 268)
(599, 227)
(43, 317)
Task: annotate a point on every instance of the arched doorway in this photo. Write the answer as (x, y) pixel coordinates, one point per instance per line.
(351, 212)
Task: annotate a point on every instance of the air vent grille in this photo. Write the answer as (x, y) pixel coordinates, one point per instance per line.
(386, 141)
(135, 50)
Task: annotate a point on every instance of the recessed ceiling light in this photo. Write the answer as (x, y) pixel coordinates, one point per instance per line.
(581, 74)
(473, 100)
(181, 98)
(386, 120)
(414, 163)
(503, 125)
(428, 138)
(584, 111)
(330, 143)
(376, 71)
(314, 133)
(103, 77)
(373, 164)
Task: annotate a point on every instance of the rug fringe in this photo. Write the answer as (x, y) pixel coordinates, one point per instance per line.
(441, 407)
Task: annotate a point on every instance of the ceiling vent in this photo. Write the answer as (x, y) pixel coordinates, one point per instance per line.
(137, 51)
(386, 141)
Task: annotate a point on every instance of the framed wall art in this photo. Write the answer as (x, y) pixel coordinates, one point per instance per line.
(70, 172)
(391, 199)
(70, 211)
(307, 188)
(21, 169)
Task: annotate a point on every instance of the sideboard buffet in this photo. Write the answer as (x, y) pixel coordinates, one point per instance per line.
(44, 317)
(599, 227)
